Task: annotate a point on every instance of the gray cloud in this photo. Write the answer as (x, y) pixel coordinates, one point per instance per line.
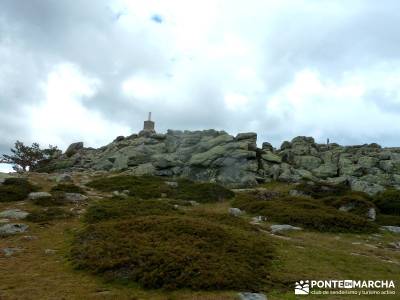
(334, 38)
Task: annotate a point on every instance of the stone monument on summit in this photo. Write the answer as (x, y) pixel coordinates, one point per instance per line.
(148, 127)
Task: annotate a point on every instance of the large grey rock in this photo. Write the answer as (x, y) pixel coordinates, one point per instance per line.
(15, 214)
(236, 212)
(64, 178)
(271, 157)
(75, 197)
(38, 195)
(12, 228)
(368, 162)
(366, 187)
(246, 136)
(73, 148)
(307, 162)
(325, 171)
(252, 296)
(283, 227)
(394, 229)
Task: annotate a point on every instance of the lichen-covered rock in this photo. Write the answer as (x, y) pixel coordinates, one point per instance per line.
(283, 227)
(15, 214)
(216, 156)
(12, 228)
(38, 195)
(73, 148)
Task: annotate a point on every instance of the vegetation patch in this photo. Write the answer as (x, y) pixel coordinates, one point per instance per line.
(388, 220)
(354, 203)
(48, 214)
(68, 188)
(148, 187)
(318, 190)
(15, 189)
(174, 252)
(56, 199)
(305, 212)
(201, 192)
(125, 208)
(388, 202)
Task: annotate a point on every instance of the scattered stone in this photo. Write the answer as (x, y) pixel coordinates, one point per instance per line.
(258, 220)
(172, 184)
(29, 237)
(252, 296)
(10, 251)
(13, 228)
(394, 229)
(38, 195)
(283, 227)
(236, 212)
(371, 214)
(75, 197)
(16, 214)
(50, 251)
(120, 194)
(296, 193)
(63, 178)
(395, 245)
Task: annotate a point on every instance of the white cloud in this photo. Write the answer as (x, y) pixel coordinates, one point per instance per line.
(61, 118)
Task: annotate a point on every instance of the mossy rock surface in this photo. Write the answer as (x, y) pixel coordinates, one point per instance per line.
(304, 212)
(15, 189)
(175, 252)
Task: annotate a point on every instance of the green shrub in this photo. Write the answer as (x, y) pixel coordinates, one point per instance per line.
(388, 202)
(68, 188)
(320, 190)
(147, 187)
(15, 189)
(48, 214)
(123, 208)
(201, 192)
(174, 252)
(387, 220)
(355, 203)
(144, 187)
(305, 212)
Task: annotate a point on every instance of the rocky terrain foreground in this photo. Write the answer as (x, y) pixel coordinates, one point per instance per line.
(110, 235)
(216, 156)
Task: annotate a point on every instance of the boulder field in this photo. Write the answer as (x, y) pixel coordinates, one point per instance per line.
(216, 156)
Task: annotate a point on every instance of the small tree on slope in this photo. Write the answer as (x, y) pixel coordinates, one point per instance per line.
(24, 157)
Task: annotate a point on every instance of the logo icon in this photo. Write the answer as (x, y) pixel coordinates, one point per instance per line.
(302, 287)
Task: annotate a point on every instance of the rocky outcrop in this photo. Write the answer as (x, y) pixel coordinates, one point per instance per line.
(208, 155)
(216, 156)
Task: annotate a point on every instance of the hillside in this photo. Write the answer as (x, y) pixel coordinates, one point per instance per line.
(102, 235)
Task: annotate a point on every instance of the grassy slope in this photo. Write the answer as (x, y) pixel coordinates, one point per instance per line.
(32, 274)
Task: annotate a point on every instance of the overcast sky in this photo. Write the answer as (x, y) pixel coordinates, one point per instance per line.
(90, 70)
